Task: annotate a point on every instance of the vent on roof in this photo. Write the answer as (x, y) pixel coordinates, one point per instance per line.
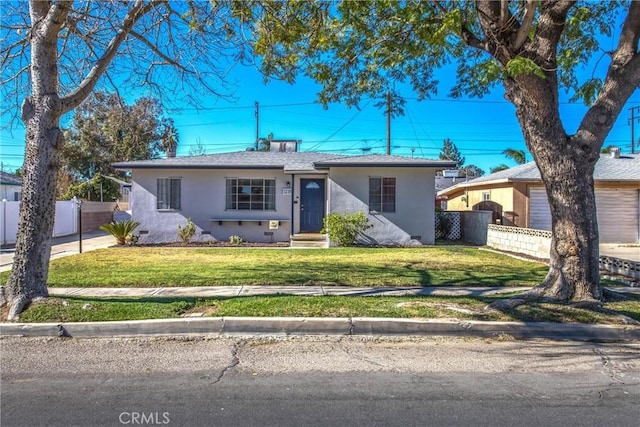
(615, 152)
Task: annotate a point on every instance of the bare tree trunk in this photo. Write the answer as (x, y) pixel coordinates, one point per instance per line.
(37, 211)
(41, 114)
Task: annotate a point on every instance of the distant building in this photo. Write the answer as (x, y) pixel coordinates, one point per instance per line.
(10, 187)
(518, 197)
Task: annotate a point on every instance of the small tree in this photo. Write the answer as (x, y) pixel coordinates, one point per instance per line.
(449, 151)
(344, 229)
(498, 168)
(98, 189)
(186, 233)
(472, 171)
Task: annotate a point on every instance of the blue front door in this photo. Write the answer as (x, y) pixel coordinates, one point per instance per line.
(311, 205)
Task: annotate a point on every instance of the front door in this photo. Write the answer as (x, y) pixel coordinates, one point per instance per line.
(311, 205)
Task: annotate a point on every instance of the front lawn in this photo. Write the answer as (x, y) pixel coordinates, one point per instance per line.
(427, 266)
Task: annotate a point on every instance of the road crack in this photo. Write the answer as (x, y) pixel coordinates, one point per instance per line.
(235, 360)
(608, 365)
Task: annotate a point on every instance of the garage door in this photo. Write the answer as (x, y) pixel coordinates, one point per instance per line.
(618, 214)
(539, 213)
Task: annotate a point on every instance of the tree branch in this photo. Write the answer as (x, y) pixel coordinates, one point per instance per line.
(158, 51)
(505, 15)
(74, 99)
(527, 20)
(628, 44)
(549, 30)
(57, 15)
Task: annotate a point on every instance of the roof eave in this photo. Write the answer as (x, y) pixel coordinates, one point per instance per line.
(218, 167)
(327, 165)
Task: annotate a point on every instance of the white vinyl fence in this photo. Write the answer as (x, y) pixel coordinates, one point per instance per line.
(66, 220)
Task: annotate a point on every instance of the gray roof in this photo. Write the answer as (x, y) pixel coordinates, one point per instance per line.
(381, 160)
(289, 161)
(9, 179)
(625, 168)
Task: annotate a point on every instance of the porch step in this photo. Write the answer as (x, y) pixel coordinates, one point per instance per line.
(309, 240)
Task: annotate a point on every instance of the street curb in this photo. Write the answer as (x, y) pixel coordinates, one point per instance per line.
(324, 326)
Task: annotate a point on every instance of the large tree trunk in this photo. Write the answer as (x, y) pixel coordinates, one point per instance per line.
(566, 165)
(41, 114)
(574, 273)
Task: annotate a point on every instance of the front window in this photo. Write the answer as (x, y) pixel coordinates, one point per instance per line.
(251, 194)
(382, 194)
(168, 193)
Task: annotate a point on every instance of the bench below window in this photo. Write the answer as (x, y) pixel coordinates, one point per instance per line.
(220, 221)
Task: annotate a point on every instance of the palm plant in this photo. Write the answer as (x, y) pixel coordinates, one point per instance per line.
(121, 230)
(518, 156)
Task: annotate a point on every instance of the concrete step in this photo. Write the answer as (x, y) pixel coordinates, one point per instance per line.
(309, 240)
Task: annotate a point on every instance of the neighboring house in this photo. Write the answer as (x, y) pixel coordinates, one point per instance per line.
(270, 196)
(446, 179)
(10, 187)
(125, 190)
(517, 197)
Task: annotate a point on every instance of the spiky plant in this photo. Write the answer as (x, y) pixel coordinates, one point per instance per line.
(121, 230)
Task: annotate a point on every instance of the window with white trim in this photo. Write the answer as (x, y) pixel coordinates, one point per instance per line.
(382, 194)
(250, 194)
(168, 196)
(486, 196)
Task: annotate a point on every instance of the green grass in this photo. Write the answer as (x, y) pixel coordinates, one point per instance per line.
(429, 266)
(464, 308)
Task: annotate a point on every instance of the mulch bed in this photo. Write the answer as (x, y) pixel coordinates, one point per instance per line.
(215, 245)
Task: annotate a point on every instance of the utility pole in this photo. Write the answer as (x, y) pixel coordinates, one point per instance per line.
(635, 115)
(257, 114)
(388, 123)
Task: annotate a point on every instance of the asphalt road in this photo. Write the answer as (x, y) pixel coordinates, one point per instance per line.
(323, 381)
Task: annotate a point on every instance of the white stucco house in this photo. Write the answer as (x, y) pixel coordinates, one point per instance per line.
(273, 196)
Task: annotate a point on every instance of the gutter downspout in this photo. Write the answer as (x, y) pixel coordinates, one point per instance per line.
(293, 193)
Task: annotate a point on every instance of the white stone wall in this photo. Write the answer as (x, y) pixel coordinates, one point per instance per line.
(527, 241)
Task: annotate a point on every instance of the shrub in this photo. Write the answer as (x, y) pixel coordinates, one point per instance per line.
(343, 229)
(186, 233)
(121, 230)
(236, 240)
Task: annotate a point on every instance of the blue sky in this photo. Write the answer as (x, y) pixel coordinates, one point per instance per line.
(480, 128)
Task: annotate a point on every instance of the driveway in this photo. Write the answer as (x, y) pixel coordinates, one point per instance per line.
(628, 251)
(65, 246)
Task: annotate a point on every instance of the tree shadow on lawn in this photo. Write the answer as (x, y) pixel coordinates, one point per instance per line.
(353, 275)
(330, 305)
